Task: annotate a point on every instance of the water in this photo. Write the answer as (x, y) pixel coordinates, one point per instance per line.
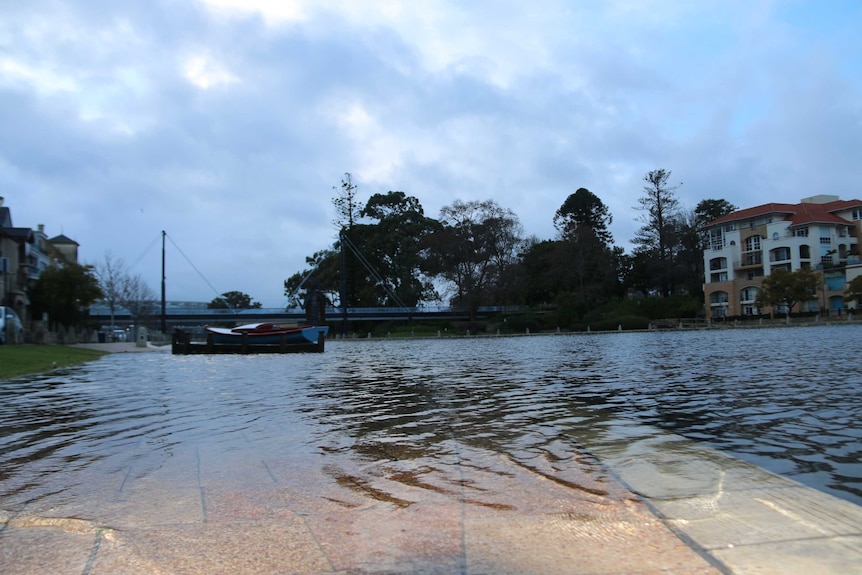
(785, 399)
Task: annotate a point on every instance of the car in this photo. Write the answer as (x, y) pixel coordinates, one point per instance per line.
(11, 329)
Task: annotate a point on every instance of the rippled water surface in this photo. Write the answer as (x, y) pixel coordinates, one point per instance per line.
(785, 399)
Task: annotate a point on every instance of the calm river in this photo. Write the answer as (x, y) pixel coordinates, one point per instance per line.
(785, 399)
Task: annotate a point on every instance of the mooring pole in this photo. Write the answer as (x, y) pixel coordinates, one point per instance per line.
(164, 326)
(343, 294)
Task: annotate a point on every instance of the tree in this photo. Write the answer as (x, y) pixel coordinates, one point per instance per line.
(322, 276)
(786, 288)
(111, 273)
(473, 247)
(390, 247)
(585, 248)
(233, 300)
(691, 231)
(658, 237)
(708, 210)
(854, 290)
(65, 293)
(583, 213)
(345, 202)
(138, 298)
(120, 289)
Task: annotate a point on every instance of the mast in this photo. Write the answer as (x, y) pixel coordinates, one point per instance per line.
(343, 295)
(164, 328)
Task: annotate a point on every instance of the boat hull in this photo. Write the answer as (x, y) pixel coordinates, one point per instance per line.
(290, 336)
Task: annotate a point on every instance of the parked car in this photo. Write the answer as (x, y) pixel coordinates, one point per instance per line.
(11, 329)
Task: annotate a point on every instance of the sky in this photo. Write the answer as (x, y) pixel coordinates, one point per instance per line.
(229, 124)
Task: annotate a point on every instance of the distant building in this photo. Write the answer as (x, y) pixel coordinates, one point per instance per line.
(24, 255)
(820, 233)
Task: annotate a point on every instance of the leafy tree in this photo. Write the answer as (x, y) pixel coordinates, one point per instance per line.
(65, 293)
(659, 236)
(233, 300)
(322, 275)
(708, 210)
(390, 245)
(854, 290)
(786, 288)
(473, 248)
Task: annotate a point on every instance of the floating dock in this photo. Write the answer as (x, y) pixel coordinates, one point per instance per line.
(181, 344)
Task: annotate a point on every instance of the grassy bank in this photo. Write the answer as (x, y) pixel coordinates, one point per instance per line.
(18, 360)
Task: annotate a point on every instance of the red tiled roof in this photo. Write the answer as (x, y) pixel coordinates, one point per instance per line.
(800, 214)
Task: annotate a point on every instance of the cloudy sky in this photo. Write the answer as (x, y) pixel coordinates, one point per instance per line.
(227, 123)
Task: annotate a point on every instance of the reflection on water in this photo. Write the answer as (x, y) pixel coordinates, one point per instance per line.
(419, 413)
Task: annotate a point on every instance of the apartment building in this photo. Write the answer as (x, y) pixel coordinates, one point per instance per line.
(24, 254)
(742, 248)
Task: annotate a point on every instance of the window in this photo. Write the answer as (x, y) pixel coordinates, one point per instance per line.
(857, 213)
(718, 277)
(716, 239)
(717, 263)
(779, 254)
(753, 259)
(748, 294)
(752, 243)
(825, 240)
(801, 232)
(785, 267)
(804, 252)
(718, 297)
(775, 236)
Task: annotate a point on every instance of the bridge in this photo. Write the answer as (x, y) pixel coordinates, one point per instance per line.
(196, 315)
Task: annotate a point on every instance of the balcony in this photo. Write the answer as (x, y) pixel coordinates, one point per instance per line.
(750, 259)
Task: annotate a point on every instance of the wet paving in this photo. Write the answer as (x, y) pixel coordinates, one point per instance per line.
(501, 456)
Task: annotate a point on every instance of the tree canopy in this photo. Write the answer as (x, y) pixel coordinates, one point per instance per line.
(786, 288)
(233, 300)
(65, 293)
(390, 253)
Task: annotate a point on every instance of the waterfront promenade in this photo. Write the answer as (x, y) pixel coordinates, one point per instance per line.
(668, 506)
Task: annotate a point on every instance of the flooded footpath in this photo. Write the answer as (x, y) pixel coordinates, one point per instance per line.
(594, 454)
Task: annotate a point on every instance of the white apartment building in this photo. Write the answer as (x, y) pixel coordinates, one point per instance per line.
(820, 233)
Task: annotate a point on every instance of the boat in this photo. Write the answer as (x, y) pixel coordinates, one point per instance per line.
(267, 333)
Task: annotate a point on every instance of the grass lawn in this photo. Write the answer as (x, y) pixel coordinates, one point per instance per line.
(18, 360)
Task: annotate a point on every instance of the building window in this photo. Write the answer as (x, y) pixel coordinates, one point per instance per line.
(825, 240)
(718, 298)
(857, 213)
(752, 243)
(718, 263)
(801, 232)
(785, 267)
(804, 252)
(748, 294)
(779, 254)
(716, 239)
(718, 277)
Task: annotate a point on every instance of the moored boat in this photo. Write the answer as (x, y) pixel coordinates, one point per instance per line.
(267, 333)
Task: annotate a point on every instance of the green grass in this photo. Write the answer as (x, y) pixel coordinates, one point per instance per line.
(16, 360)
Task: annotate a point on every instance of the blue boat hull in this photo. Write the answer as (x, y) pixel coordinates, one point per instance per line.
(303, 336)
